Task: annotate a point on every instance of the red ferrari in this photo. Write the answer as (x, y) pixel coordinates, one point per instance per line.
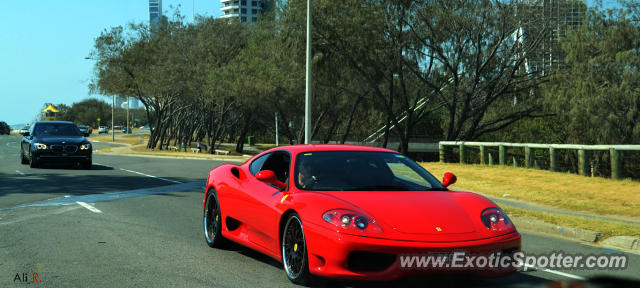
(349, 212)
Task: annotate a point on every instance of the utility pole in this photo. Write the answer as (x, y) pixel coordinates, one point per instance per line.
(307, 104)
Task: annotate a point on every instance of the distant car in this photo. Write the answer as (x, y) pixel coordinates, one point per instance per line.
(103, 129)
(4, 128)
(49, 141)
(85, 130)
(126, 130)
(351, 212)
(24, 129)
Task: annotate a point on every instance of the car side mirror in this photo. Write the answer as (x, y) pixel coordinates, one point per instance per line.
(448, 179)
(269, 177)
(25, 134)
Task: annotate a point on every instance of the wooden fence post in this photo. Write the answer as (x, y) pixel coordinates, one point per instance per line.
(583, 167)
(502, 155)
(553, 159)
(616, 165)
(528, 160)
(463, 154)
(442, 152)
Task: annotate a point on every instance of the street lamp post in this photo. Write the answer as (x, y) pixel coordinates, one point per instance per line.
(113, 104)
(128, 105)
(307, 104)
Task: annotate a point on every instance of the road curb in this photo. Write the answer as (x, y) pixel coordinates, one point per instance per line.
(624, 242)
(237, 160)
(536, 226)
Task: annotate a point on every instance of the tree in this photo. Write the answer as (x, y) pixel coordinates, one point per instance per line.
(596, 99)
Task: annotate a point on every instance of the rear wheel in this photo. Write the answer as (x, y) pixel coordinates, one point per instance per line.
(212, 221)
(294, 251)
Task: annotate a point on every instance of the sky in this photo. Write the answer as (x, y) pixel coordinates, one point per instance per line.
(43, 44)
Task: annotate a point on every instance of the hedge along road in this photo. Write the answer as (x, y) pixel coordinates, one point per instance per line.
(141, 225)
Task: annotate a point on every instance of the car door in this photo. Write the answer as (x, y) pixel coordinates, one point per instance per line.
(259, 200)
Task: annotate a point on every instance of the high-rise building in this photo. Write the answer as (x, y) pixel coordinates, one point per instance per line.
(245, 10)
(155, 12)
(551, 19)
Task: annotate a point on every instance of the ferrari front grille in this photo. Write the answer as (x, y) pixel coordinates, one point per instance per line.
(369, 261)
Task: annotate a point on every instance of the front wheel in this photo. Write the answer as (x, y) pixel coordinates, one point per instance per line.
(294, 251)
(23, 160)
(212, 221)
(33, 163)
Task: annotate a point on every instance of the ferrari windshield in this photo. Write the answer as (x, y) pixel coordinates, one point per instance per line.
(361, 171)
(56, 130)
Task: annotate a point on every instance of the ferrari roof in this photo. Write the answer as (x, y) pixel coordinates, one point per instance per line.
(331, 147)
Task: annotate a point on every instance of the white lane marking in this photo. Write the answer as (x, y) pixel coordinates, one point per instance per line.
(21, 174)
(156, 177)
(557, 272)
(105, 165)
(91, 208)
(95, 141)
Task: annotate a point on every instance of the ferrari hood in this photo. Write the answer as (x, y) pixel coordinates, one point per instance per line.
(412, 212)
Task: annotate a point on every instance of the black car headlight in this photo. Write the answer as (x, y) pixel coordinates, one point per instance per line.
(85, 146)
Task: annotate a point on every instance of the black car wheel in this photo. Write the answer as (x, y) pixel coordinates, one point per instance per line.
(294, 251)
(212, 221)
(33, 163)
(23, 160)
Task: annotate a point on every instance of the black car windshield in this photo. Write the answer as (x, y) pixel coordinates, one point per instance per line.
(56, 130)
(361, 171)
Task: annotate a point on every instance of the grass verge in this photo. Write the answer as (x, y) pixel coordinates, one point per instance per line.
(562, 190)
(607, 228)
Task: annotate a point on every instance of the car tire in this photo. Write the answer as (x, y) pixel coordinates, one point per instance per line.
(33, 163)
(294, 251)
(23, 160)
(212, 221)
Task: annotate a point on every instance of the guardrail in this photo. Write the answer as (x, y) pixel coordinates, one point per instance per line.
(584, 168)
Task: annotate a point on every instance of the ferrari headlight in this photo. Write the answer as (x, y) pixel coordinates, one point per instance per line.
(85, 146)
(496, 220)
(351, 220)
(40, 146)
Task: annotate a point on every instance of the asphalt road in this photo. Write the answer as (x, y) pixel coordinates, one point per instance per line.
(136, 221)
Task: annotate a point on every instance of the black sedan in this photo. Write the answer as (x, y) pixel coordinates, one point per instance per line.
(49, 141)
(4, 128)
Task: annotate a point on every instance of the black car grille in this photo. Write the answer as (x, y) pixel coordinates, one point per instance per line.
(369, 261)
(64, 148)
(70, 148)
(57, 148)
